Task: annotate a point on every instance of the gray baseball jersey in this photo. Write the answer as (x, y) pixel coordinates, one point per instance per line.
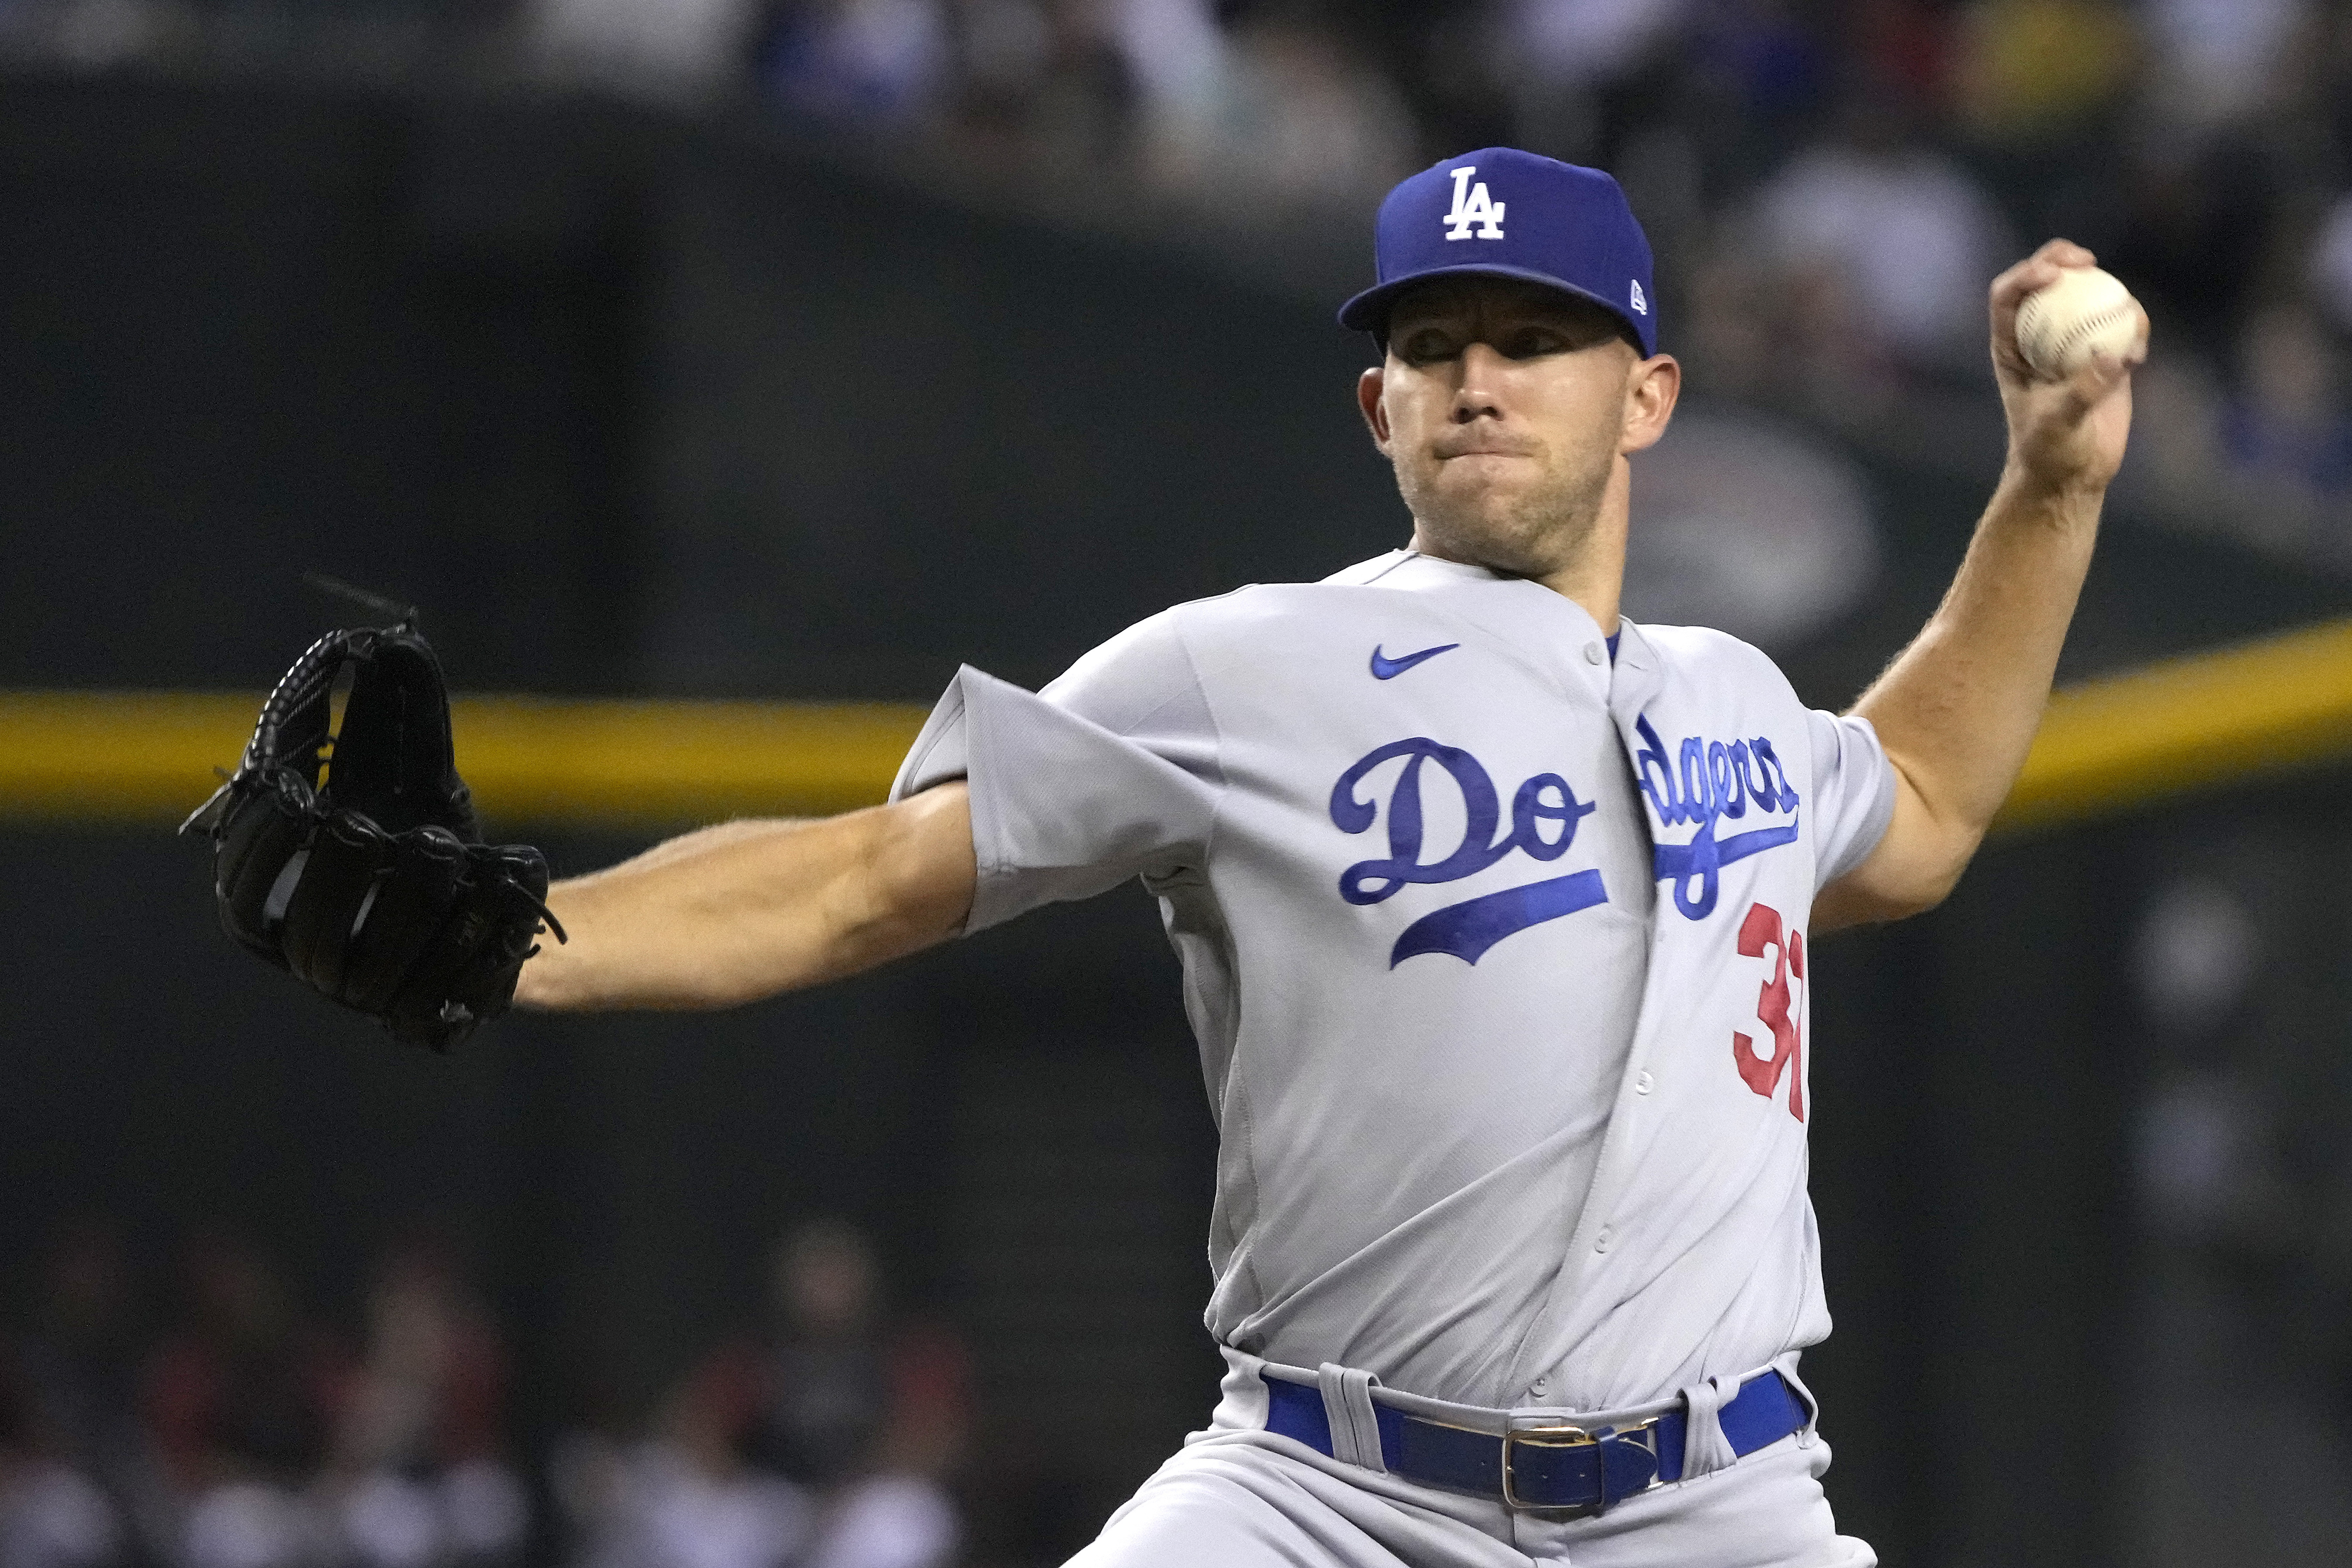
(1494, 946)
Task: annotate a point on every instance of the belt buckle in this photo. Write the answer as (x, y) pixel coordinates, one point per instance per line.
(1643, 1435)
(1552, 1434)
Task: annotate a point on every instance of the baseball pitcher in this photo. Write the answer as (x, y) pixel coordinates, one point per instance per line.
(1494, 910)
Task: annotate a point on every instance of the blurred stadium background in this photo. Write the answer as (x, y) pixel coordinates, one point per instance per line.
(715, 349)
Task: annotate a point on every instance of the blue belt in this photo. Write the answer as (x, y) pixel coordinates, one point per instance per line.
(1550, 1465)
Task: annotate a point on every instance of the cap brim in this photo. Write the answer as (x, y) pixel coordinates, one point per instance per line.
(1367, 311)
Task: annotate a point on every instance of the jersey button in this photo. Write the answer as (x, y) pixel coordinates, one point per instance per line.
(1645, 1083)
(1592, 653)
(1601, 1243)
(1538, 1385)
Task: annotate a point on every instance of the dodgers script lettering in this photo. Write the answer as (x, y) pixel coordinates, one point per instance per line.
(1543, 819)
(1703, 784)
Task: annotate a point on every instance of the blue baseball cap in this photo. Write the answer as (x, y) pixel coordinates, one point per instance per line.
(1508, 213)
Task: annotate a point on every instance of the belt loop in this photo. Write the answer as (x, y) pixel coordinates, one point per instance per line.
(1705, 1448)
(1805, 1434)
(1348, 1404)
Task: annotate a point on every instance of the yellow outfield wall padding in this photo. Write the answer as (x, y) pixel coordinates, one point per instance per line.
(147, 757)
(655, 763)
(2187, 724)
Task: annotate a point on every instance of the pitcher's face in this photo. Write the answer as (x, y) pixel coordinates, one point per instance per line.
(1505, 407)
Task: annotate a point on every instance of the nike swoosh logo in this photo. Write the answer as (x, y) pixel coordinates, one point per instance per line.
(1387, 669)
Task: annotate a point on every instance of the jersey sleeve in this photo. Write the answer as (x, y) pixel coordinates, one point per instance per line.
(1854, 793)
(1109, 772)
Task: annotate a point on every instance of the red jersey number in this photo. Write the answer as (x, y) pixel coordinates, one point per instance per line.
(1763, 929)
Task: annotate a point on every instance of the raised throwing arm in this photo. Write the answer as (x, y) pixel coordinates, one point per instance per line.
(746, 909)
(1958, 709)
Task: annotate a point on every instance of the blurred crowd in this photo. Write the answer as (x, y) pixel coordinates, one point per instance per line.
(1830, 184)
(237, 1429)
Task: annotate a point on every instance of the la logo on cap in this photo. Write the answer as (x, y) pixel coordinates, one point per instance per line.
(1473, 206)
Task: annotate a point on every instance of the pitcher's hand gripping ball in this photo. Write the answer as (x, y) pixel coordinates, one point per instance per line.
(2087, 311)
(352, 859)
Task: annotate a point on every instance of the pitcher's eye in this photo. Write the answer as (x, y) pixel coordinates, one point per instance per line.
(1426, 345)
(1533, 342)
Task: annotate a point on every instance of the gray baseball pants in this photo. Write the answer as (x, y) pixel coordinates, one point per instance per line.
(1237, 1496)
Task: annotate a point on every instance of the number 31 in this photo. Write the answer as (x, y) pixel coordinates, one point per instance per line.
(1761, 930)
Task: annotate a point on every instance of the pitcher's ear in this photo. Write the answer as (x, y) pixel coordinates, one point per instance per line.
(1652, 391)
(1367, 400)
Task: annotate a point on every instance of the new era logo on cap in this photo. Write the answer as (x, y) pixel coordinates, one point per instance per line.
(1509, 214)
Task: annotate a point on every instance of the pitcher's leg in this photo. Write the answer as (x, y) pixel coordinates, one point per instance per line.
(1245, 1504)
(1766, 1511)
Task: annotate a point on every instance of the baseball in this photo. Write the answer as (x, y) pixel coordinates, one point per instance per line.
(2061, 324)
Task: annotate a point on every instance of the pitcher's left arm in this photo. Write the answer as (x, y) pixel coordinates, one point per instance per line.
(1958, 709)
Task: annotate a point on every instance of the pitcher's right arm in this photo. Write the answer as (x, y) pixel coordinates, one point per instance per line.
(747, 909)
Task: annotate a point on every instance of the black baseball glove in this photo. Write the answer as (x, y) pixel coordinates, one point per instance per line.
(350, 856)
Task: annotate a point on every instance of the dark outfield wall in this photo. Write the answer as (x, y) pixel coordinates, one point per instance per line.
(632, 407)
